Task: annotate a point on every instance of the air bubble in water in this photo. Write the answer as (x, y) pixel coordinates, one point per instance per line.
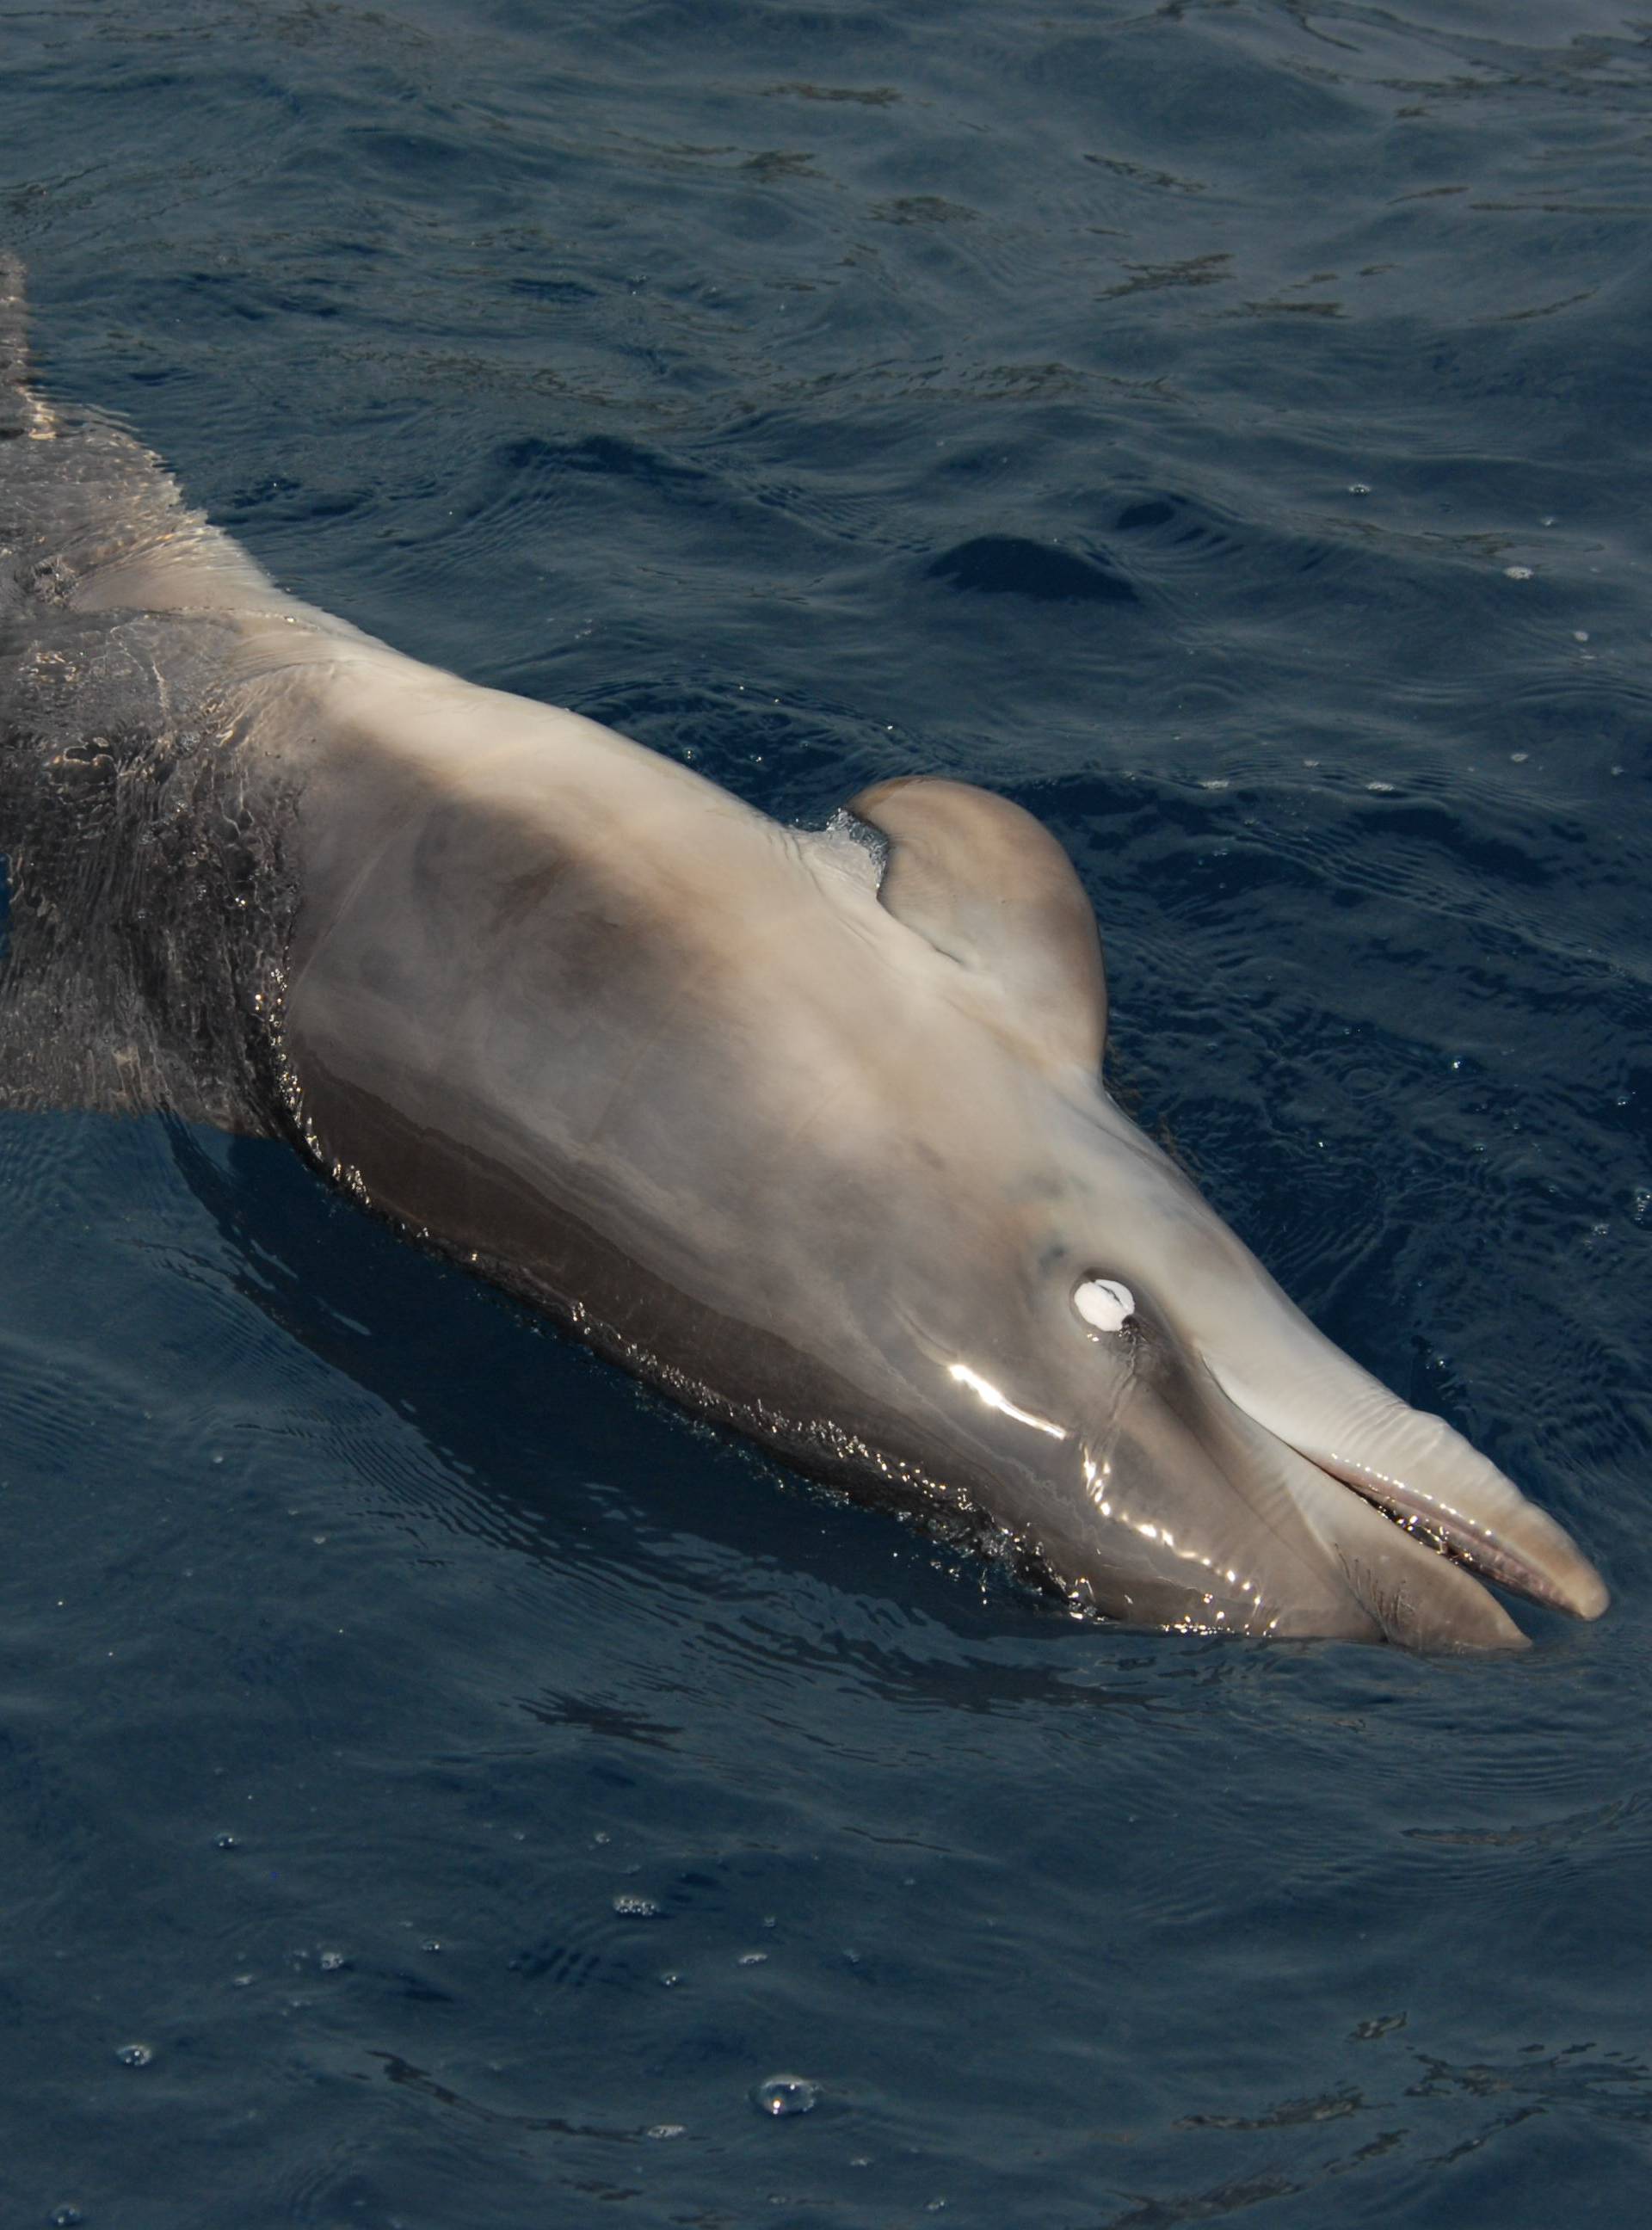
(781, 2095)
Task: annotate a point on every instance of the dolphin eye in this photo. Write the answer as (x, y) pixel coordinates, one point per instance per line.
(1104, 1304)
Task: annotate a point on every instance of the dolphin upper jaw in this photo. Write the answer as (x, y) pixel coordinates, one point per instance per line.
(1428, 1480)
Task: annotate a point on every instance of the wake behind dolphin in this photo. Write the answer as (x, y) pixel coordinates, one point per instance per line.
(807, 1129)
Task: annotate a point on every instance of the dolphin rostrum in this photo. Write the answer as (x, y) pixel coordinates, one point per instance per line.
(807, 1128)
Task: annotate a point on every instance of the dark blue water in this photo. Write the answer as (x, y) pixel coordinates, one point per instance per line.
(1224, 426)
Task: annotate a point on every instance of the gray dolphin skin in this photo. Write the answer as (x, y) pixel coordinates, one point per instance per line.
(806, 1128)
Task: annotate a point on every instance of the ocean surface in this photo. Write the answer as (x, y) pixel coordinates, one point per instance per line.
(440, 1787)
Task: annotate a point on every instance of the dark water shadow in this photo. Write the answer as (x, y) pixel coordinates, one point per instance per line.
(553, 1443)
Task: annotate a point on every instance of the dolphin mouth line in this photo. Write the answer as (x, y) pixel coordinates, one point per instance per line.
(1453, 1534)
(1465, 1520)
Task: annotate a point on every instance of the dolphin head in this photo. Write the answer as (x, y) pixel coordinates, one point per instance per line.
(1117, 1380)
(828, 1155)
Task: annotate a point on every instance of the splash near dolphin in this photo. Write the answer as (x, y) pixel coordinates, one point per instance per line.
(806, 1128)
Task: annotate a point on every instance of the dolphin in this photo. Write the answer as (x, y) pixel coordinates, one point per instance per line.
(805, 1127)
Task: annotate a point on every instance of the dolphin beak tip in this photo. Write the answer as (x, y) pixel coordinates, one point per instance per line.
(1556, 1570)
(1589, 1594)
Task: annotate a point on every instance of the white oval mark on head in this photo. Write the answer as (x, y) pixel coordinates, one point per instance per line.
(1104, 1304)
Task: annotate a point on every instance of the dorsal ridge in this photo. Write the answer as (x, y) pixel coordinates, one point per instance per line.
(985, 883)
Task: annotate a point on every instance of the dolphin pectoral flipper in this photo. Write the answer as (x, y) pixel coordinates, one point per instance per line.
(990, 886)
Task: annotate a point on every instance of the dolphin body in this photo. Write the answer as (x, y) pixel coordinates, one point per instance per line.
(806, 1128)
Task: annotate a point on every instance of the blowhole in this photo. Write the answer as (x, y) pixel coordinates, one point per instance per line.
(1104, 1304)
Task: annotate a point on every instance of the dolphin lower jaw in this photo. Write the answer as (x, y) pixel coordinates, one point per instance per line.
(1175, 1505)
(1402, 1581)
(1390, 1550)
(1190, 1512)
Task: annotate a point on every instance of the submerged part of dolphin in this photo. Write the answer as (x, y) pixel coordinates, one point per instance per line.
(806, 1128)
